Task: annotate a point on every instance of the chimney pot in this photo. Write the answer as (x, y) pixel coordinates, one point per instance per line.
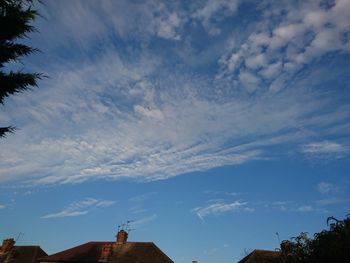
(122, 237)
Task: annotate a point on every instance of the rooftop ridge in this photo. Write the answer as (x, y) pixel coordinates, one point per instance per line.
(92, 251)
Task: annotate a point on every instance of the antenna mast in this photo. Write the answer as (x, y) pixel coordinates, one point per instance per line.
(126, 227)
(278, 238)
(19, 235)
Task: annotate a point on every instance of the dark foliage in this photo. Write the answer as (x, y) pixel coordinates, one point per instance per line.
(5, 130)
(15, 19)
(331, 245)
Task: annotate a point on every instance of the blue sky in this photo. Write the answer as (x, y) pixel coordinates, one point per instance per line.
(211, 124)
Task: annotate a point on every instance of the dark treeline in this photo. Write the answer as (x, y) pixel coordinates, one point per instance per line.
(16, 17)
(331, 245)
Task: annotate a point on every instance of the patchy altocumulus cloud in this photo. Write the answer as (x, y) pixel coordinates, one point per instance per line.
(123, 113)
(272, 54)
(211, 10)
(90, 134)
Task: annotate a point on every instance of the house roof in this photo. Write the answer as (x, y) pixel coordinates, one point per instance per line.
(262, 256)
(27, 254)
(145, 252)
(88, 252)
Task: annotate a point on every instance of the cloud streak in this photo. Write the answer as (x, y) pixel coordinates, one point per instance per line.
(79, 208)
(309, 209)
(324, 148)
(333, 201)
(219, 208)
(327, 188)
(145, 220)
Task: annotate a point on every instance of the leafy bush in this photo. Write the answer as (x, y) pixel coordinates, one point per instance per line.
(331, 245)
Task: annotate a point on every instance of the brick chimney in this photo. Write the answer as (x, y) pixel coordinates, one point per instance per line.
(7, 251)
(106, 252)
(122, 237)
(7, 245)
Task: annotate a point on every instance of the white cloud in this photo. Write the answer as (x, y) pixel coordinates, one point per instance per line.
(86, 24)
(215, 9)
(154, 18)
(305, 32)
(271, 70)
(211, 252)
(167, 26)
(333, 201)
(249, 81)
(145, 220)
(292, 206)
(109, 117)
(249, 209)
(255, 62)
(137, 210)
(173, 132)
(2, 206)
(78, 21)
(65, 213)
(152, 113)
(79, 208)
(309, 208)
(323, 148)
(326, 188)
(232, 193)
(143, 197)
(218, 208)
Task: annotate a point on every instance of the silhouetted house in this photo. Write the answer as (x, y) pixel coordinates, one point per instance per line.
(262, 256)
(9, 253)
(120, 251)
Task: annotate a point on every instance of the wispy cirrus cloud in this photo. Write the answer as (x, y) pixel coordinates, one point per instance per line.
(220, 208)
(324, 148)
(211, 251)
(143, 197)
(333, 201)
(309, 209)
(287, 206)
(327, 188)
(79, 208)
(140, 21)
(137, 210)
(125, 113)
(142, 221)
